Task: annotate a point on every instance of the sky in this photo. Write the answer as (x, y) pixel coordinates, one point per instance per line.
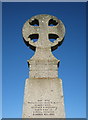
(72, 55)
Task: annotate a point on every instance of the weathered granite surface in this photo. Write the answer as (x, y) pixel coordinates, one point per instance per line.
(43, 96)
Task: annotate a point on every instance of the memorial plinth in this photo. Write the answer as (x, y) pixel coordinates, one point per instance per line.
(43, 96)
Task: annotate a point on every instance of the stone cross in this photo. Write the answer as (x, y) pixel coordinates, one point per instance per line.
(43, 34)
(43, 63)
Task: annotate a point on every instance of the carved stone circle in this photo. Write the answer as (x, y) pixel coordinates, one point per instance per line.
(43, 28)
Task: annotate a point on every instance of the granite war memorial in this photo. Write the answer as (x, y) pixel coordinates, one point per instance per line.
(43, 94)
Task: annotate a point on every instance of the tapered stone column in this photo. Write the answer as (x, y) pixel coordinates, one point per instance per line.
(43, 95)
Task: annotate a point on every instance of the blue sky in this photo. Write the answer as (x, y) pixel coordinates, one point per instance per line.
(72, 54)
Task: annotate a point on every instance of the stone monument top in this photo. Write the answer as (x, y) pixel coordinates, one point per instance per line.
(43, 28)
(43, 31)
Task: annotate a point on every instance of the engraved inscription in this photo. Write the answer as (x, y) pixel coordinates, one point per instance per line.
(46, 107)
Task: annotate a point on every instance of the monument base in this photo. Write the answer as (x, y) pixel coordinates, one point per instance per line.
(43, 98)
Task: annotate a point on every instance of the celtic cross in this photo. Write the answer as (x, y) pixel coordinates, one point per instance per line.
(38, 33)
